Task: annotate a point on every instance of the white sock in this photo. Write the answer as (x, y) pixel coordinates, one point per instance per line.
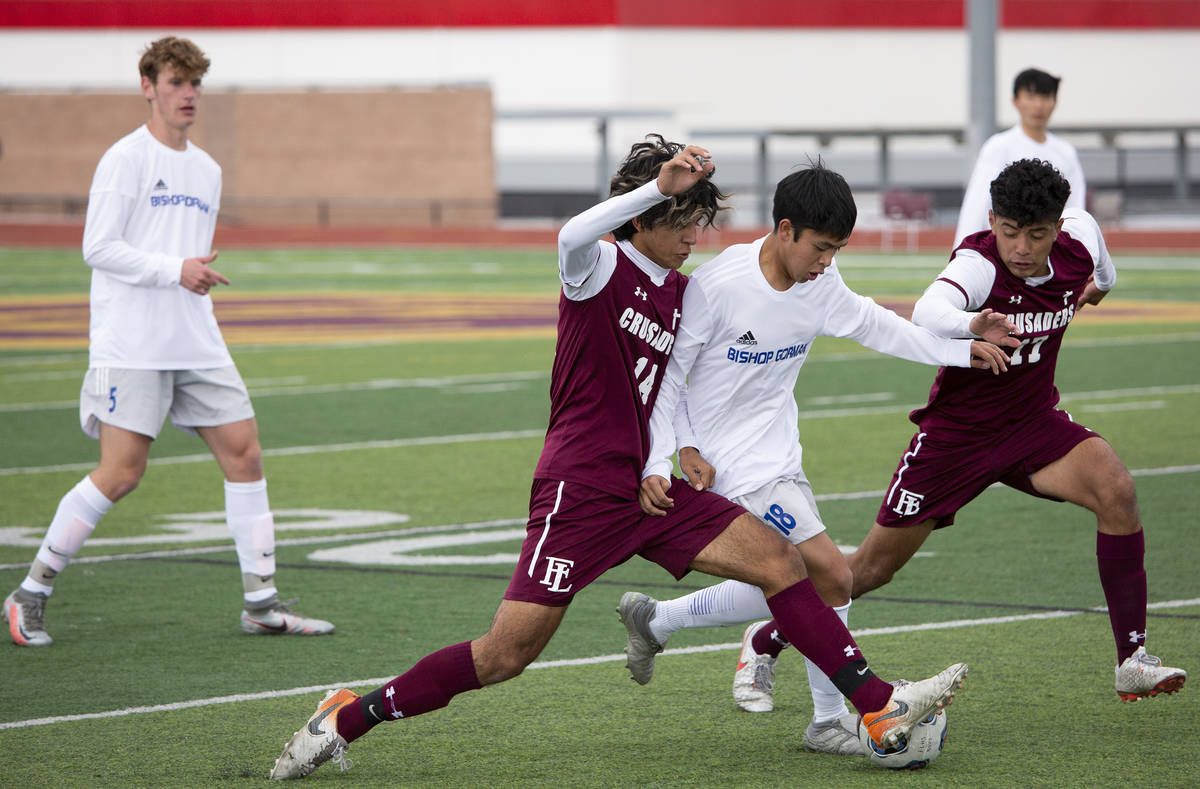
(248, 513)
(727, 603)
(77, 515)
(828, 701)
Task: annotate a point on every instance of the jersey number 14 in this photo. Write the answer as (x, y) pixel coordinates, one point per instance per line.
(645, 385)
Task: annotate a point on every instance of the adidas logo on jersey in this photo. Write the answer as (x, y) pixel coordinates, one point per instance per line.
(160, 186)
(747, 339)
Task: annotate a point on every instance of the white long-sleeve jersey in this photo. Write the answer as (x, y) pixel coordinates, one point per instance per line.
(150, 208)
(1003, 149)
(739, 349)
(952, 300)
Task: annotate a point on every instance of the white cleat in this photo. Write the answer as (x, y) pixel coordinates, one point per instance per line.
(277, 619)
(25, 613)
(839, 736)
(317, 741)
(754, 680)
(911, 703)
(1141, 676)
(635, 612)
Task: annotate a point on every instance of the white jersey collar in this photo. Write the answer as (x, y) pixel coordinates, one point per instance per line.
(655, 272)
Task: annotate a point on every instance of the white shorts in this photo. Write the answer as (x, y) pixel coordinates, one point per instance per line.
(787, 505)
(140, 400)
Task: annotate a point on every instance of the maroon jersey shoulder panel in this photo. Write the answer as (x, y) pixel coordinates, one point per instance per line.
(609, 359)
(1041, 313)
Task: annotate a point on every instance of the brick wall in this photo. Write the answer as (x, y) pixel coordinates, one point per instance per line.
(399, 156)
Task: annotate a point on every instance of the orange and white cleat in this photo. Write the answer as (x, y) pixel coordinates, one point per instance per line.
(754, 680)
(1141, 676)
(25, 612)
(911, 703)
(317, 741)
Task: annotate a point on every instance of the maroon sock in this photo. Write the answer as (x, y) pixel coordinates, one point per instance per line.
(816, 630)
(427, 686)
(1123, 578)
(769, 640)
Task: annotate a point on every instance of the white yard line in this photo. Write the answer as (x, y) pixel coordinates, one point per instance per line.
(504, 435)
(414, 530)
(545, 664)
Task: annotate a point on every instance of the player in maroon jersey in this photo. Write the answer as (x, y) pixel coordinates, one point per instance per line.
(1038, 264)
(618, 311)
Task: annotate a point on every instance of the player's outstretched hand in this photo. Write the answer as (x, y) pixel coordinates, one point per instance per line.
(1091, 294)
(652, 495)
(684, 170)
(994, 327)
(197, 277)
(985, 356)
(696, 470)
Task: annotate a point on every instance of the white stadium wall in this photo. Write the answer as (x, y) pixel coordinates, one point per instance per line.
(773, 63)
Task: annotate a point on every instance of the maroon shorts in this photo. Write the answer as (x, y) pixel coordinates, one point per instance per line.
(575, 533)
(945, 467)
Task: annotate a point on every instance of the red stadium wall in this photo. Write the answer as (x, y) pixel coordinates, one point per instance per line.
(1078, 14)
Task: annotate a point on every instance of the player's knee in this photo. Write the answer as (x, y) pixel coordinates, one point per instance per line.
(834, 583)
(781, 569)
(246, 464)
(1117, 496)
(868, 574)
(116, 483)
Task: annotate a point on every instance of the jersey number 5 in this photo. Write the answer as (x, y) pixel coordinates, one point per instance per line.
(645, 385)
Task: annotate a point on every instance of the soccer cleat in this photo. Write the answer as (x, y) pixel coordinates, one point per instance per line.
(25, 612)
(274, 618)
(839, 736)
(635, 612)
(911, 703)
(317, 741)
(1141, 676)
(754, 680)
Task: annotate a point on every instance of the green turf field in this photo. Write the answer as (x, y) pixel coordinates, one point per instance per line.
(374, 444)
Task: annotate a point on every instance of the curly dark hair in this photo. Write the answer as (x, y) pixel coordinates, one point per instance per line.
(181, 55)
(815, 198)
(700, 204)
(1029, 191)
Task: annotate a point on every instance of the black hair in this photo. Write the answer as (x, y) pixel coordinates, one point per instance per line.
(1029, 191)
(1036, 81)
(816, 198)
(700, 204)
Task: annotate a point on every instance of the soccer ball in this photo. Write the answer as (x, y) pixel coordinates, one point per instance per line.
(922, 746)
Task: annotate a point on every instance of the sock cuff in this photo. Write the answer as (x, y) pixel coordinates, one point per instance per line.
(464, 664)
(800, 591)
(1121, 546)
(257, 486)
(92, 495)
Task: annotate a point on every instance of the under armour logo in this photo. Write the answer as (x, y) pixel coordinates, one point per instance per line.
(1067, 297)
(850, 649)
(1136, 638)
(778, 638)
(639, 292)
(557, 571)
(1014, 299)
(909, 503)
(390, 693)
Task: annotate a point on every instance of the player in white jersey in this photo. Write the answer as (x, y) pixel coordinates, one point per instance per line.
(750, 317)
(156, 350)
(1035, 94)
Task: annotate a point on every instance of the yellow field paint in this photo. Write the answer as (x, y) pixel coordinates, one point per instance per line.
(61, 321)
